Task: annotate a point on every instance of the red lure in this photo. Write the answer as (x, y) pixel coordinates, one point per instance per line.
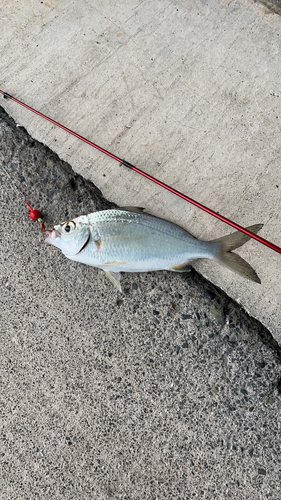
(36, 216)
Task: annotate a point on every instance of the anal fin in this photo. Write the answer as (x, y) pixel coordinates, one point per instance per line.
(184, 268)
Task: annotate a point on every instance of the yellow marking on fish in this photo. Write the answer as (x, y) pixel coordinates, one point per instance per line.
(114, 263)
(181, 267)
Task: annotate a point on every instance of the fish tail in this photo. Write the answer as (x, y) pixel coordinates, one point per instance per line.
(233, 261)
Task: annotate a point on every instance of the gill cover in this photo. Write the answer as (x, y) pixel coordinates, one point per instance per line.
(71, 237)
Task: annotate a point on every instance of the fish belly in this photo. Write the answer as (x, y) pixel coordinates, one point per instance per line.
(142, 243)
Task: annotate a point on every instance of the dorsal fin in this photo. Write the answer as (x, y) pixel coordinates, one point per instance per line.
(136, 210)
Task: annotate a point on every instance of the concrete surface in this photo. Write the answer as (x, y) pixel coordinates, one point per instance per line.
(169, 391)
(187, 91)
(272, 5)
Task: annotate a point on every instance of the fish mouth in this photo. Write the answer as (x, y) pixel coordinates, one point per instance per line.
(52, 235)
(85, 244)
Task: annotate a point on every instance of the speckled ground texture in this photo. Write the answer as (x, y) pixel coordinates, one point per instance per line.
(167, 391)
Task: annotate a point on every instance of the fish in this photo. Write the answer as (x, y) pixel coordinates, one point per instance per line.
(130, 240)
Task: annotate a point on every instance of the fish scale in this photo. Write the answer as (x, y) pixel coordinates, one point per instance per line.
(140, 239)
(129, 240)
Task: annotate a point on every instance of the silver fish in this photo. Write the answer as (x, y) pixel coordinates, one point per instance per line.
(127, 239)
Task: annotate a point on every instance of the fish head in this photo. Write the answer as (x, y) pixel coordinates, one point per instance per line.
(71, 237)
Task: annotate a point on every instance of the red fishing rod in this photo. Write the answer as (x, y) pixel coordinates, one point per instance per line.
(153, 179)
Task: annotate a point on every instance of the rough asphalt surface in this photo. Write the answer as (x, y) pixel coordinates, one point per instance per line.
(167, 391)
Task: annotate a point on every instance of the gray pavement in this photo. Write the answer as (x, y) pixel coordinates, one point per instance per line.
(168, 391)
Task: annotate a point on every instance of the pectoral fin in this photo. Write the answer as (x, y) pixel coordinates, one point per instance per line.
(114, 278)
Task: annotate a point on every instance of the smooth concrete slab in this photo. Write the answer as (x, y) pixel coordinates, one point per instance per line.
(187, 91)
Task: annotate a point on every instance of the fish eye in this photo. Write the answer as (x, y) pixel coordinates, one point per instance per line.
(68, 226)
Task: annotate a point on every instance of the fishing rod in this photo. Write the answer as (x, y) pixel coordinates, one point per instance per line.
(125, 163)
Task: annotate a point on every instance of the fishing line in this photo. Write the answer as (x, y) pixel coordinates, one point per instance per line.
(261, 240)
(34, 214)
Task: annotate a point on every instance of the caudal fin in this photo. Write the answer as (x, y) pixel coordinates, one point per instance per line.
(233, 261)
